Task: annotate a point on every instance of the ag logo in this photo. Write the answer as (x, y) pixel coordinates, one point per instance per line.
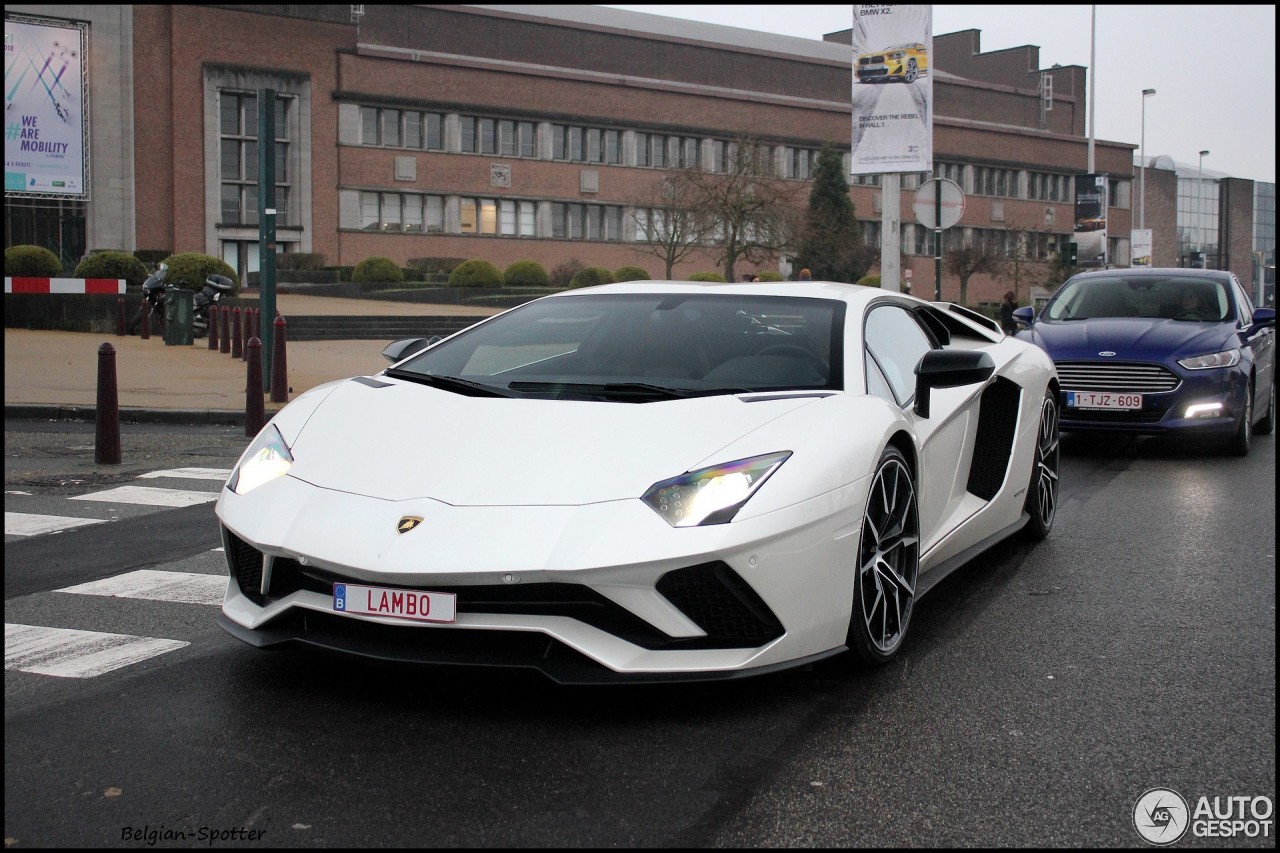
(1161, 816)
(407, 523)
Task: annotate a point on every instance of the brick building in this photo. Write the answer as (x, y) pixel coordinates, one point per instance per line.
(537, 132)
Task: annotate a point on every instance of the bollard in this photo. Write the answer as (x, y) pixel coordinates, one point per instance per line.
(255, 411)
(106, 447)
(146, 323)
(224, 345)
(213, 327)
(279, 373)
(237, 339)
(120, 317)
(247, 329)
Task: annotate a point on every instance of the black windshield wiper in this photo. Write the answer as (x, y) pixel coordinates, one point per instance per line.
(450, 383)
(622, 390)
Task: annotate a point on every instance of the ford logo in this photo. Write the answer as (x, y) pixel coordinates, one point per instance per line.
(1106, 353)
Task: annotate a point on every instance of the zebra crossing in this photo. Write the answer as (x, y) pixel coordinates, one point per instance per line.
(62, 652)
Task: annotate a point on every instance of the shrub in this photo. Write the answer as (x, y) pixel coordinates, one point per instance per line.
(434, 266)
(377, 269)
(32, 261)
(111, 264)
(151, 257)
(631, 274)
(563, 273)
(300, 261)
(869, 281)
(475, 273)
(771, 275)
(591, 276)
(189, 270)
(526, 274)
(706, 276)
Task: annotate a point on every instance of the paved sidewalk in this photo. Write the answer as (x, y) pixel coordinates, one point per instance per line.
(55, 374)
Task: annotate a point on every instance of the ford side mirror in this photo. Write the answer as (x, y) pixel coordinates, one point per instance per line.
(1024, 316)
(946, 368)
(1264, 317)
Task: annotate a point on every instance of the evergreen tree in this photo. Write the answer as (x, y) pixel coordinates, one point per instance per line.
(832, 246)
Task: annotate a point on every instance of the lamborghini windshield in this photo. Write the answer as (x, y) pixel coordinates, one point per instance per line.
(641, 347)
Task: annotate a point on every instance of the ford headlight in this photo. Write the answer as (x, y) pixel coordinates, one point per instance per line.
(1230, 358)
(266, 459)
(711, 495)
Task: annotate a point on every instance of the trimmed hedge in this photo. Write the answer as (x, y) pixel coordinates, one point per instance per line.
(526, 274)
(434, 266)
(771, 275)
(377, 268)
(112, 264)
(300, 261)
(475, 273)
(32, 261)
(189, 270)
(869, 281)
(706, 276)
(563, 273)
(152, 257)
(631, 274)
(591, 276)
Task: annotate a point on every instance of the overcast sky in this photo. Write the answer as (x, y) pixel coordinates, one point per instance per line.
(1213, 67)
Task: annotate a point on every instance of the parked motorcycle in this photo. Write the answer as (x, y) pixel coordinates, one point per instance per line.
(208, 297)
(153, 293)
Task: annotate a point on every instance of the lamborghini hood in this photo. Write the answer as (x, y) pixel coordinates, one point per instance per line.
(398, 440)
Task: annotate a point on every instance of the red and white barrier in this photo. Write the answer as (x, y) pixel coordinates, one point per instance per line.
(64, 285)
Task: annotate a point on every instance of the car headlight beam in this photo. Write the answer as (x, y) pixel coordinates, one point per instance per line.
(711, 495)
(267, 458)
(1229, 358)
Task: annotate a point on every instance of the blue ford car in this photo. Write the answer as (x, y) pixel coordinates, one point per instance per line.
(1160, 352)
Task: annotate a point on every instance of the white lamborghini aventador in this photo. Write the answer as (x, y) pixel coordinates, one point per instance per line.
(648, 481)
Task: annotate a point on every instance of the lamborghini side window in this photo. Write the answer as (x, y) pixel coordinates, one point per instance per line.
(897, 343)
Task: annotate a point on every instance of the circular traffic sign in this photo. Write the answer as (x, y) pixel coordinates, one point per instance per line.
(926, 203)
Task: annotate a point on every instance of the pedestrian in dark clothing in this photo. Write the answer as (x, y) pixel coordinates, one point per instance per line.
(1007, 307)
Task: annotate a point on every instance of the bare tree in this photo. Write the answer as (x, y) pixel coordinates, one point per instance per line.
(755, 215)
(974, 258)
(670, 223)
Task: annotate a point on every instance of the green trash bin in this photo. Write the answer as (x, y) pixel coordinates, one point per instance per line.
(179, 314)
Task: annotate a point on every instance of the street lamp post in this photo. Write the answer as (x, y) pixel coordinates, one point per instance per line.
(1142, 157)
(1204, 260)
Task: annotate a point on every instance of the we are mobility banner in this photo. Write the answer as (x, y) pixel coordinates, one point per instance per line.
(1090, 234)
(44, 109)
(892, 89)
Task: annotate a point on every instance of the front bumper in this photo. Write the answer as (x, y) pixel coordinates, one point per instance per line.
(1166, 413)
(598, 593)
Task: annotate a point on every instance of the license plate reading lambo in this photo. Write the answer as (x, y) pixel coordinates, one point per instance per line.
(398, 603)
(1098, 400)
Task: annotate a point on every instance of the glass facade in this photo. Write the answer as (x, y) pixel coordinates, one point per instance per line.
(1198, 221)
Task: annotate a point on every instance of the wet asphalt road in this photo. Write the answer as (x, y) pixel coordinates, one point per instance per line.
(1042, 691)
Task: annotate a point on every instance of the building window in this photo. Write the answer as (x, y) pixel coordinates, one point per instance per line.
(238, 158)
(642, 150)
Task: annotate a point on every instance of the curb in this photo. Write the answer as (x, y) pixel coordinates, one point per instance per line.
(195, 417)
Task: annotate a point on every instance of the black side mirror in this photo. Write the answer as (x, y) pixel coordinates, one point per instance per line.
(1264, 317)
(399, 350)
(947, 368)
(1024, 316)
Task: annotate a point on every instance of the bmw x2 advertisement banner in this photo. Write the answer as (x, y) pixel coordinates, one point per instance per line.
(1091, 221)
(892, 89)
(44, 109)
